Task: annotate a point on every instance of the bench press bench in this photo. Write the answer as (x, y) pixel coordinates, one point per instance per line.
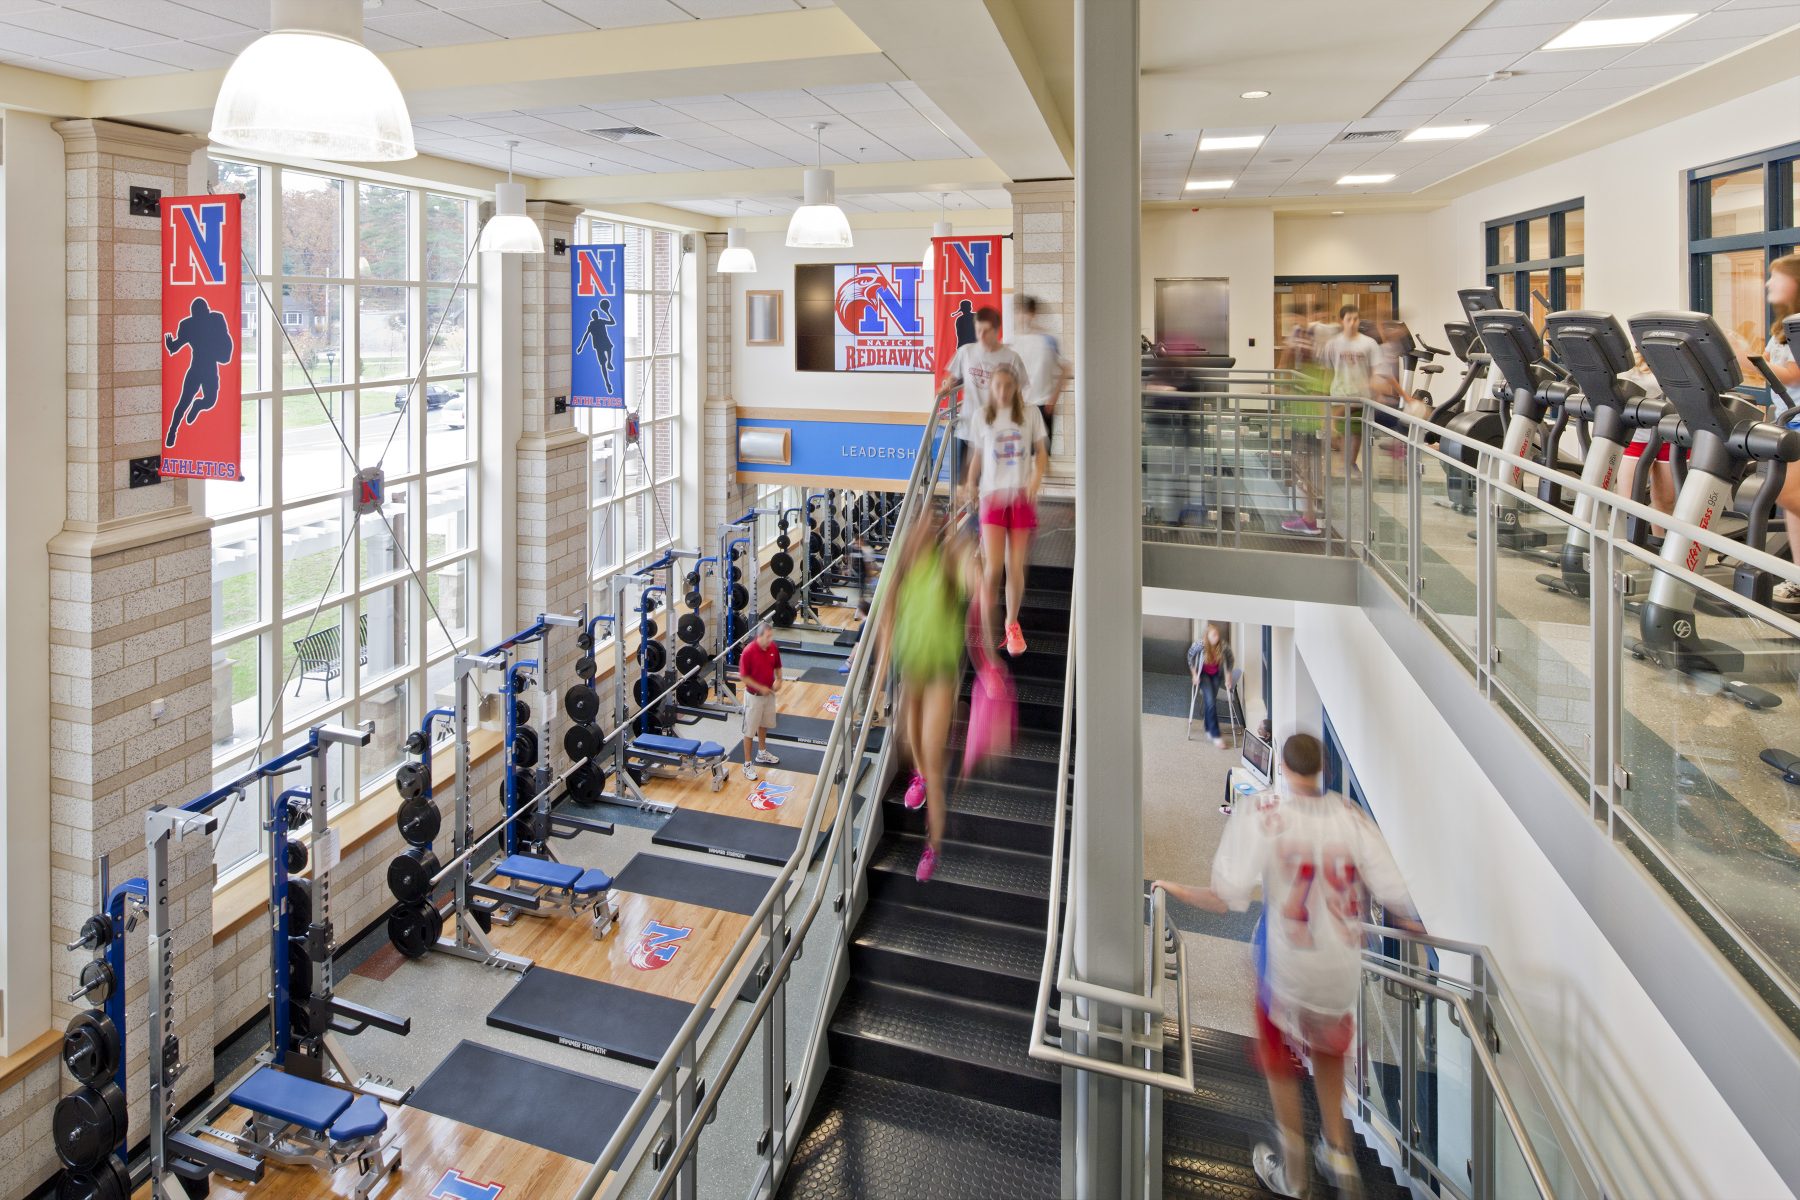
(680, 757)
(299, 1122)
(563, 887)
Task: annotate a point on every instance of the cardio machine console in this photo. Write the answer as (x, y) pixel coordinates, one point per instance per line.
(1596, 350)
(1514, 346)
(1696, 366)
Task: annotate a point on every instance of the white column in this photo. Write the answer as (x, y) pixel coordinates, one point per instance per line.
(1108, 854)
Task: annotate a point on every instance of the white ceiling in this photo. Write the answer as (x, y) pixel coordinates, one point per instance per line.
(919, 202)
(105, 39)
(864, 123)
(1552, 89)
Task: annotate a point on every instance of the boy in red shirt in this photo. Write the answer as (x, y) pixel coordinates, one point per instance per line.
(759, 670)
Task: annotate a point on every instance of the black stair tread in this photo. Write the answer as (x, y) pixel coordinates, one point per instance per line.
(991, 798)
(942, 1027)
(1028, 745)
(878, 1138)
(995, 946)
(1029, 691)
(963, 863)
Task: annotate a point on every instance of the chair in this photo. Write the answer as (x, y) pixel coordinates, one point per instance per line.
(320, 656)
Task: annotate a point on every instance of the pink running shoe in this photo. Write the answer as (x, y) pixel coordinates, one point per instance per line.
(927, 865)
(915, 792)
(1015, 639)
(1304, 525)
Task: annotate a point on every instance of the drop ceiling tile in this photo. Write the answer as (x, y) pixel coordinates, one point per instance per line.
(19, 6)
(1570, 60)
(619, 14)
(1683, 53)
(1509, 14)
(519, 125)
(50, 66)
(428, 28)
(922, 147)
(1532, 83)
(1516, 40)
(525, 20)
(785, 104)
(186, 56)
(381, 42)
(1402, 109)
(1645, 8)
(1489, 108)
(1572, 106)
(18, 42)
(1754, 22)
(231, 43)
(1473, 67)
(708, 9)
(1430, 89)
(165, 19)
(1641, 78)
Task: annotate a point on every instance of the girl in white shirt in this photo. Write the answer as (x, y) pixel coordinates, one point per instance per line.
(1784, 298)
(1007, 468)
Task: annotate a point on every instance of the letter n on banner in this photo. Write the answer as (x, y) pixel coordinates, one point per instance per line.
(966, 274)
(202, 317)
(597, 323)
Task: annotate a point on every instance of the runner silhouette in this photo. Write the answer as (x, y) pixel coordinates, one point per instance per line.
(208, 338)
(965, 323)
(599, 320)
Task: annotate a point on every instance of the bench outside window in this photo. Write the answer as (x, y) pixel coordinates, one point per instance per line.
(320, 654)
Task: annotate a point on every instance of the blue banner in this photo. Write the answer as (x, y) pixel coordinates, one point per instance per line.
(596, 323)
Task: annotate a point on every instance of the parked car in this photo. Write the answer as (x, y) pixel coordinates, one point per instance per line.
(436, 397)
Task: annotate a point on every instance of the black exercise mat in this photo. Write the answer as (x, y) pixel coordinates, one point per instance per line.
(793, 757)
(830, 675)
(693, 883)
(552, 1108)
(585, 1014)
(814, 731)
(727, 837)
(848, 638)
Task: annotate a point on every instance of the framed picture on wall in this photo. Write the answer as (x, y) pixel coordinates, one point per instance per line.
(762, 318)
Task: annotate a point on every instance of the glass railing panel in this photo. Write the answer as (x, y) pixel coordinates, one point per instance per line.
(1383, 1033)
(1389, 536)
(1444, 1083)
(1543, 635)
(1446, 536)
(1698, 711)
(1512, 1176)
(1527, 1092)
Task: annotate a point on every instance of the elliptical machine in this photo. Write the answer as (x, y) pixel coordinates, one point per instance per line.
(1534, 387)
(1471, 416)
(1726, 439)
(1596, 351)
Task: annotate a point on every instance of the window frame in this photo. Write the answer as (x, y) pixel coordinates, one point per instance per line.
(1779, 235)
(421, 648)
(1556, 263)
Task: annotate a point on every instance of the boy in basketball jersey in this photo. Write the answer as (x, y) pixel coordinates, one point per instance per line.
(1313, 855)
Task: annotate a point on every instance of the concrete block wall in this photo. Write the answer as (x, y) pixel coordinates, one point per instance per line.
(1044, 254)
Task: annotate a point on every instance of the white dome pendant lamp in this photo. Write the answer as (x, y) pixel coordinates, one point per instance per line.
(819, 224)
(311, 89)
(736, 258)
(939, 230)
(510, 230)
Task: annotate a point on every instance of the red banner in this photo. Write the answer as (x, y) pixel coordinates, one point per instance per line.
(202, 300)
(965, 278)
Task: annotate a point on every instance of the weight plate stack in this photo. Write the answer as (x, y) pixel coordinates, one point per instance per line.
(690, 629)
(409, 875)
(90, 1046)
(419, 820)
(87, 1125)
(582, 742)
(655, 656)
(414, 928)
(582, 703)
(690, 658)
(525, 747)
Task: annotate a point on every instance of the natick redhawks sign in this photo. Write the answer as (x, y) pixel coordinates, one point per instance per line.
(966, 276)
(202, 344)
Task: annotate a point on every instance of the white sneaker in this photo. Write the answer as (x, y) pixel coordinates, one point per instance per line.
(1340, 1169)
(1273, 1172)
(1787, 593)
(766, 759)
(750, 772)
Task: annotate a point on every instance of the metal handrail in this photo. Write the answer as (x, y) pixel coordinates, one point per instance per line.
(682, 1044)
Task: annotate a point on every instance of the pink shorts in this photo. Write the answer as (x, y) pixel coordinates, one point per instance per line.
(1009, 512)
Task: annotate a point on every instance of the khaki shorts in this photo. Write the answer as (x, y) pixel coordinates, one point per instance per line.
(760, 713)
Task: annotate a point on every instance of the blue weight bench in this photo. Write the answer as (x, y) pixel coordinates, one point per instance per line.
(298, 1122)
(561, 887)
(679, 758)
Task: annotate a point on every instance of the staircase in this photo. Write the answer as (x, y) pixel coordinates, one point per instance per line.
(930, 1091)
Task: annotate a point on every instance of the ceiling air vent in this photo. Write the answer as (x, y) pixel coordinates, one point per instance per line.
(624, 133)
(1371, 135)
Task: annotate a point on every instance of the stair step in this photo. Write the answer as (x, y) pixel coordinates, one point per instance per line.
(983, 812)
(1005, 885)
(875, 1137)
(970, 1049)
(963, 956)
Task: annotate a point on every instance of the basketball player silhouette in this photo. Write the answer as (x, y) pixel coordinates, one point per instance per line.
(207, 337)
(597, 335)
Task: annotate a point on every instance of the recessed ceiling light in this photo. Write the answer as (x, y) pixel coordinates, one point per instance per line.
(1244, 142)
(1258, 94)
(1337, 212)
(1356, 180)
(1617, 31)
(1443, 133)
(1209, 185)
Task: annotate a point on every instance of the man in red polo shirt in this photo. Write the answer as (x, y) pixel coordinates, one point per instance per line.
(759, 669)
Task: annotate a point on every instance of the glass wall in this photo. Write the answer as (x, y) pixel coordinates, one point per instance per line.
(359, 351)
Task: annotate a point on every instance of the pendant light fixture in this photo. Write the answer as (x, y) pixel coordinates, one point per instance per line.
(940, 230)
(310, 89)
(510, 230)
(736, 258)
(819, 224)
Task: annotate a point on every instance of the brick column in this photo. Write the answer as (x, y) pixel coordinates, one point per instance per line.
(720, 501)
(130, 596)
(551, 520)
(1044, 256)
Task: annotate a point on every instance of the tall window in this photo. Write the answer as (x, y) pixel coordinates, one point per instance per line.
(318, 614)
(1543, 252)
(632, 496)
(1742, 215)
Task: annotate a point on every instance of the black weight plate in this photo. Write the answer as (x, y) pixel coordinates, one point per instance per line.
(693, 600)
(296, 855)
(692, 692)
(299, 906)
(666, 714)
(409, 780)
(90, 1046)
(521, 713)
(87, 1125)
(691, 579)
(782, 590)
(584, 667)
(525, 747)
(415, 742)
(641, 690)
(584, 640)
(108, 1181)
(409, 875)
(582, 703)
(582, 742)
(414, 928)
(586, 783)
(97, 981)
(783, 615)
(782, 563)
(817, 545)
(740, 596)
(96, 931)
(783, 542)
(650, 631)
(690, 629)
(690, 658)
(419, 820)
(655, 656)
(733, 575)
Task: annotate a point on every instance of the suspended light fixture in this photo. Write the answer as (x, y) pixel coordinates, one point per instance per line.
(509, 230)
(941, 229)
(311, 89)
(737, 258)
(819, 224)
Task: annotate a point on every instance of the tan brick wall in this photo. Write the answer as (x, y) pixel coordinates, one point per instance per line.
(1044, 256)
(26, 1159)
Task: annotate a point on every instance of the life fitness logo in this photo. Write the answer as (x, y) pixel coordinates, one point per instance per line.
(657, 946)
(766, 797)
(1705, 522)
(879, 309)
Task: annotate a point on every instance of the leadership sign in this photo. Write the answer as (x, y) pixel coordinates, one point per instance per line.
(967, 275)
(596, 308)
(202, 300)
